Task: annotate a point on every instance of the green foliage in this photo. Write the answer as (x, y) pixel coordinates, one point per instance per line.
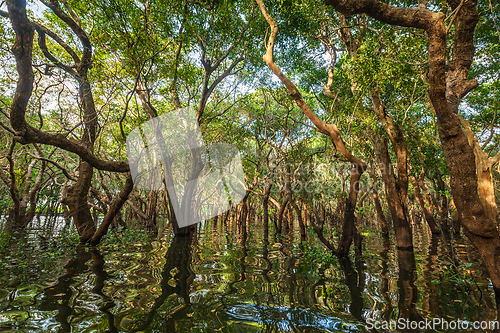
(318, 256)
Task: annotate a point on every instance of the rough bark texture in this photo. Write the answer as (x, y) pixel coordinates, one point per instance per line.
(447, 85)
(484, 169)
(76, 200)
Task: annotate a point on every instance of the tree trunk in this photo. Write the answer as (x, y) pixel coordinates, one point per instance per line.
(349, 224)
(484, 169)
(397, 202)
(486, 189)
(265, 206)
(302, 226)
(425, 205)
(76, 200)
(380, 213)
(113, 210)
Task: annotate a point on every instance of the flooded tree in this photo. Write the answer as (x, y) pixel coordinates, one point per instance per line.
(356, 122)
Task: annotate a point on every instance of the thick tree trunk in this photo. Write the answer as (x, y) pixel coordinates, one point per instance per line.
(484, 169)
(76, 200)
(487, 193)
(445, 91)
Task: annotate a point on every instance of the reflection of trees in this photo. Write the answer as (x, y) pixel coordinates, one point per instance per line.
(385, 279)
(406, 283)
(407, 291)
(58, 296)
(177, 267)
(100, 277)
(355, 281)
(177, 259)
(265, 271)
(431, 294)
(242, 240)
(465, 254)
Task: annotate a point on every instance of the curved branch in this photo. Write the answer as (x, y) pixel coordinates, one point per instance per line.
(76, 28)
(33, 135)
(329, 129)
(58, 40)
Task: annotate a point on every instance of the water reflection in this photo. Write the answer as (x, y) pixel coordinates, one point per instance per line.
(384, 280)
(408, 293)
(232, 278)
(176, 278)
(284, 319)
(355, 281)
(58, 297)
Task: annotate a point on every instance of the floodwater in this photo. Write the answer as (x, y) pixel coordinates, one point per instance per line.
(220, 281)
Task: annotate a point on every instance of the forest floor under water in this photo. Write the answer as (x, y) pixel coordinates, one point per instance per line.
(220, 281)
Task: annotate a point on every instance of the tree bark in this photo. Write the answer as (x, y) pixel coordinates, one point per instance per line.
(76, 200)
(397, 206)
(448, 84)
(113, 210)
(484, 169)
(425, 205)
(349, 224)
